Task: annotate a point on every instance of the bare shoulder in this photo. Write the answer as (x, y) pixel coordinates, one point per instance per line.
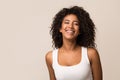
(48, 57)
(93, 54)
(95, 63)
(92, 51)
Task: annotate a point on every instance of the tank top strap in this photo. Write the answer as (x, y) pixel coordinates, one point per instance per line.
(85, 54)
(54, 57)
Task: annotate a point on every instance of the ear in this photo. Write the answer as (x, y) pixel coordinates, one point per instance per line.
(60, 30)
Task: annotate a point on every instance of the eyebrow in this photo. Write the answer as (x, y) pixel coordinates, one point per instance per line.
(69, 20)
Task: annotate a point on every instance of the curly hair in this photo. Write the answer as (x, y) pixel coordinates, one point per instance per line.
(86, 37)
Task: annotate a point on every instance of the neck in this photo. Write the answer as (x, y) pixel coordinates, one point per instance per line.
(69, 45)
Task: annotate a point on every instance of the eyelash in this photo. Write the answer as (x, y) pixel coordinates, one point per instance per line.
(74, 23)
(66, 22)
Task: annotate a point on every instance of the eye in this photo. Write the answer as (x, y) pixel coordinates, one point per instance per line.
(66, 22)
(76, 23)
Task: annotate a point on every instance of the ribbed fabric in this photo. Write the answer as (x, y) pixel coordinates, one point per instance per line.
(81, 71)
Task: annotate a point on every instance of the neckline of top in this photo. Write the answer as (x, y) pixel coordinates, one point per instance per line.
(65, 66)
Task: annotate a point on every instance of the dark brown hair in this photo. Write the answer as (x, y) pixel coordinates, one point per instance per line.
(86, 37)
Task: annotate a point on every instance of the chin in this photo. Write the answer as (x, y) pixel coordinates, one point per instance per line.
(70, 38)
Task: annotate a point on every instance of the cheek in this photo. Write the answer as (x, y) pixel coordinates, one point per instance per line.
(78, 31)
(77, 28)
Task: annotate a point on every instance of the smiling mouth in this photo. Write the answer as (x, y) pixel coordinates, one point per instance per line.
(70, 31)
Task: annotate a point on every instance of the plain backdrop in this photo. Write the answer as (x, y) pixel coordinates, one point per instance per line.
(25, 38)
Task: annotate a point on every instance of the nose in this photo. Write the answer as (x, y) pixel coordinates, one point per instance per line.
(71, 25)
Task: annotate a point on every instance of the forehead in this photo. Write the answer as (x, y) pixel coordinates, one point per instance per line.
(71, 17)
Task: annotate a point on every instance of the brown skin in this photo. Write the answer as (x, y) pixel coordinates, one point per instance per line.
(49, 65)
(70, 53)
(95, 64)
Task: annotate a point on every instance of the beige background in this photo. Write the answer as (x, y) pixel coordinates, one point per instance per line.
(25, 39)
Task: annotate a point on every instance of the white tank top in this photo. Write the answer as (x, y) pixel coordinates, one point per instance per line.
(80, 71)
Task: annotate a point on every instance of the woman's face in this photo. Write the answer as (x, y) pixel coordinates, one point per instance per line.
(70, 27)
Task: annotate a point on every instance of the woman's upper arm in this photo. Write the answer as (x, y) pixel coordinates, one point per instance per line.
(48, 58)
(95, 64)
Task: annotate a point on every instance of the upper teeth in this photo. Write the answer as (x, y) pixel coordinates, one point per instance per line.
(70, 31)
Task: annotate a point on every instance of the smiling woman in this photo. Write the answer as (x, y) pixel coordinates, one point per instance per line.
(75, 56)
(70, 27)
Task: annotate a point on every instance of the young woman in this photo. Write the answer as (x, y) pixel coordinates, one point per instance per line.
(75, 56)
